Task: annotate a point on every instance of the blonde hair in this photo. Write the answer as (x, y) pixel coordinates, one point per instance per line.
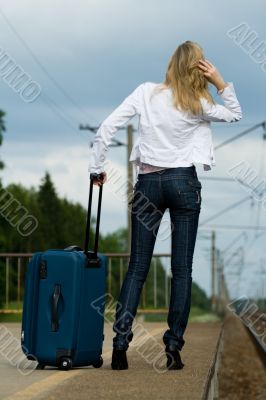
(186, 79)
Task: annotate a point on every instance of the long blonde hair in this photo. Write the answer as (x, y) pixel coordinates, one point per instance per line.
(186, 79)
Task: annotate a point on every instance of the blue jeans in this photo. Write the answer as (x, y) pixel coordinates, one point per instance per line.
(179, 190)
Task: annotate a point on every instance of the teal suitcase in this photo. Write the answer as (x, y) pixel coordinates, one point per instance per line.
(64, 303)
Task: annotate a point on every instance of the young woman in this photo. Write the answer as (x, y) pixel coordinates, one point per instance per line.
(174, 133)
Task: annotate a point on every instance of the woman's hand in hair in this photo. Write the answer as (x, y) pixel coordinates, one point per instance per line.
(212, 74)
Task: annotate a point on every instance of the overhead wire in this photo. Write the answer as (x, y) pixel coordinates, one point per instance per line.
(260, 174)
(42, 67)
(224, 210)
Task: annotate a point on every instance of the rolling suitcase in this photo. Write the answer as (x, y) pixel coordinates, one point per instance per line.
(63, 309)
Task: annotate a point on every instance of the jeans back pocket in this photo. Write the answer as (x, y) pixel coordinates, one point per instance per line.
(192, 193)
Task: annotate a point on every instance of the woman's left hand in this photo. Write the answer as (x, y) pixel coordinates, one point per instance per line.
(101, 180)
(212, 74)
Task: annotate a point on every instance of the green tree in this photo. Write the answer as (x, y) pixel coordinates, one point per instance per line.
(199, 297)
(51, 217)
(73, 224)
(2, 130)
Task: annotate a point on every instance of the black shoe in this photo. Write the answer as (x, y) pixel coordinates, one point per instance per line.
(119, 359)
(173, 359)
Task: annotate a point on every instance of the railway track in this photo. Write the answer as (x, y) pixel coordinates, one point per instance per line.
(255, 323)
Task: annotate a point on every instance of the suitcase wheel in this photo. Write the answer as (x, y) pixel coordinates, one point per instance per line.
(98, 363)
(65, 363)
(40, 366)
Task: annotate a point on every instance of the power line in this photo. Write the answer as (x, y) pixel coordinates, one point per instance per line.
(255, 238)
(262, 124)
(261, 171)
(94, 129)
(38, 62)
(233, 227)
(225, 210)
(52, 105)
(44, 97)
(229, 125)
(234, 241)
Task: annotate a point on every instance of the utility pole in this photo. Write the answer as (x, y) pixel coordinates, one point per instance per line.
(221, 299)
(213, 271)
(218, 282)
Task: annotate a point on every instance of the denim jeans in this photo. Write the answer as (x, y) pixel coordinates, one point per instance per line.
(179, 190)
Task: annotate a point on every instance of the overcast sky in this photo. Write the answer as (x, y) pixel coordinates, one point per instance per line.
(86, 57)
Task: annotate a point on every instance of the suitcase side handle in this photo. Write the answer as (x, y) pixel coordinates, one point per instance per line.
(87, 235)
(55, 299)
(73, 248)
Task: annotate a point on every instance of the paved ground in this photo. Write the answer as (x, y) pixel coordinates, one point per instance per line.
(145, 379)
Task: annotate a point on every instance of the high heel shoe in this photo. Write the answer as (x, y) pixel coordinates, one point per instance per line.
(119, 359)
(173, 359)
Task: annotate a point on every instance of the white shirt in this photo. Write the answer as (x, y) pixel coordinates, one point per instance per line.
(166, 137)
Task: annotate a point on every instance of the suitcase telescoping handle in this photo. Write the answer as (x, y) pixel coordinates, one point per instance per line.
(93, 254)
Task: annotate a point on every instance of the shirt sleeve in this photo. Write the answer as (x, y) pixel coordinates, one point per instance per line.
(120, 116)
(229, 112)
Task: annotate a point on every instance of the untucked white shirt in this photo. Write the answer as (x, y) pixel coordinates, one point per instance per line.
(167, 137)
